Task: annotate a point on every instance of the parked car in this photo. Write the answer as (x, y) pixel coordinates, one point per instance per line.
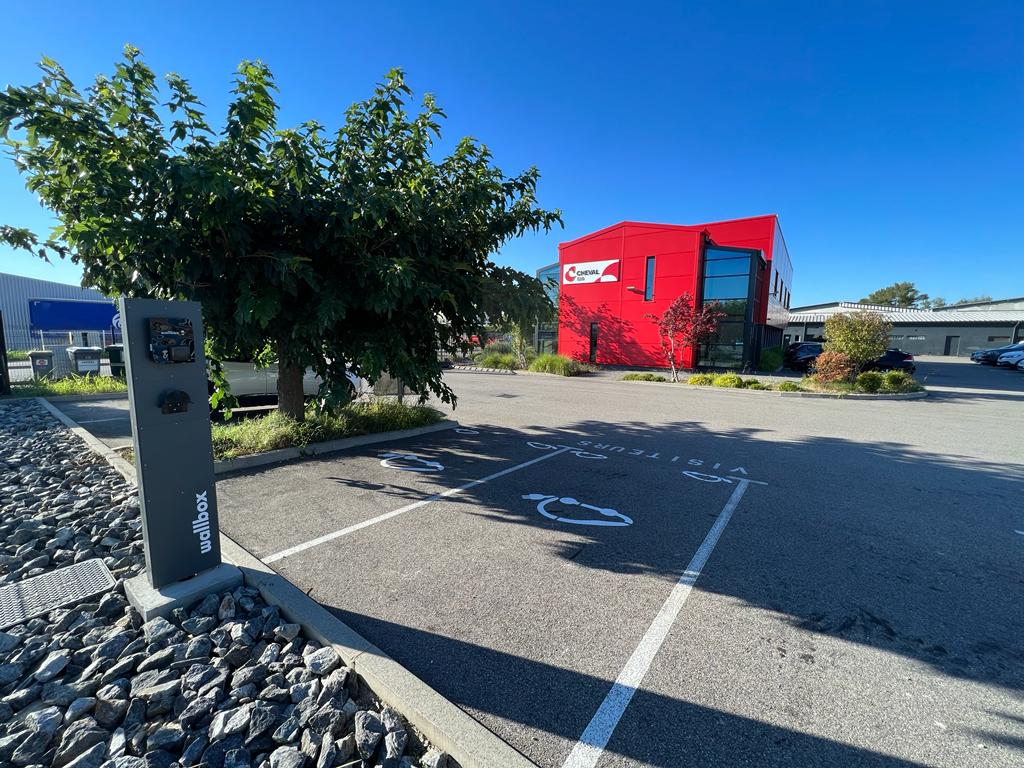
(990, 356)
(1010, 359)
(892, 360)
(252, 384)
(1020, 365)
(801, 357)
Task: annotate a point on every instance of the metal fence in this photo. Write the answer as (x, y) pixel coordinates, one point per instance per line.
(21, 342)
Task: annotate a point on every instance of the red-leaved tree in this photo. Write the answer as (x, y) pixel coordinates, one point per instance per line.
(684, 325)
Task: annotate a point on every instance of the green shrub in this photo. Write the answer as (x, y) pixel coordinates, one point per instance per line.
(16, 354)
(771, 359)
(241, 437)
(869, 381)
(506, 361)
(860, 336)
(644, 377)
(702, 379)
(832, 367)
(788, 386)
(899, 381)
(557, 364)
(755, 384)
(498, 348)
(730, 380)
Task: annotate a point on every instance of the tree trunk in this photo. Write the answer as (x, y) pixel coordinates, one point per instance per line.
(289, 391)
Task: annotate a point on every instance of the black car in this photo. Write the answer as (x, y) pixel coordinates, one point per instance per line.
(990, 356)
(801, 357)
(892, 360)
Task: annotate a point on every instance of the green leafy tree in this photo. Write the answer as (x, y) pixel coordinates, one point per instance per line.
(513, 304)
(897, 295)
(983, 297)
(937, 303)
(857, 336)
(350, 249)
(685, 324)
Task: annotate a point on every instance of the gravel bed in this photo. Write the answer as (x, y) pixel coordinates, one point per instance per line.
(228, 683)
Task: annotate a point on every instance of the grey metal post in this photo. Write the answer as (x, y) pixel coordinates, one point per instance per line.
(167, 395)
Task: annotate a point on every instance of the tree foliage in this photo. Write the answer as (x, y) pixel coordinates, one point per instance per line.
(685, 325)
(353, 248)
(859, 336)
(897, 295)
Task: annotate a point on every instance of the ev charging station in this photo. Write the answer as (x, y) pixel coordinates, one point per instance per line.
(170, 415)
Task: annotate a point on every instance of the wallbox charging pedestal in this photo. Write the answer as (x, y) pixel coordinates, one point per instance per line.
(167, 398)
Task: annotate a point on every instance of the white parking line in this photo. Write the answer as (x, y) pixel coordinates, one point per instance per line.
(401, 510)
(592, 743)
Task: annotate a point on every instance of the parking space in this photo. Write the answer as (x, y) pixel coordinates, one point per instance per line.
(517, 597)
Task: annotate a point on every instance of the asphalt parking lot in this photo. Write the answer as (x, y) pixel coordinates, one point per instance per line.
(739, 580)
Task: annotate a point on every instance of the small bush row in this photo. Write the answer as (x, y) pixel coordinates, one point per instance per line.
(504, 360)
(644, 377)
(557, 364)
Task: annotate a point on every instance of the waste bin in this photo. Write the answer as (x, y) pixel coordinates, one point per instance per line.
(85, 360)
(42, 364)
(116, 354)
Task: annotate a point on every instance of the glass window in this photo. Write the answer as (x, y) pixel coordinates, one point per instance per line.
(733, 307)
(723, 356)
(649, 285)
(730, 333)
(713, 254)
(726, 287)
(727, 267)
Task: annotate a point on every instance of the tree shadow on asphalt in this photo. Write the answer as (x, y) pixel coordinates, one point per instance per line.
(880, 544)
(658, 730)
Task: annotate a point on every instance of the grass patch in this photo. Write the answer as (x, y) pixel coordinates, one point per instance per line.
(789, 386)
(16, 355)
(644, 377)
(275, 430)
(70, 385)
(504, 360)
(557, 364)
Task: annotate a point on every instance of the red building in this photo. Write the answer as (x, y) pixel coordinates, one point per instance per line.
(611, 279)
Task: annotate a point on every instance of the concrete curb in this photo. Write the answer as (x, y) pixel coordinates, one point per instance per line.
(478, 369)
(443, 723)
(329, 446)
(84, 398)
(776, 393)
(124, 468)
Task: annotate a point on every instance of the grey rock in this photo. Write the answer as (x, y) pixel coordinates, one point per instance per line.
(346, 748)
(125, 761)
(8, 642)
(323, 661)
(230, 722)
(10, 672)
(287, 757)
(168, 737)
(369, 730)
(237, 758)
(90, 758)
(52, 666)
(196, 712)
(288, 731)
(159, 758)
(79, 707)
(32, 748)
(394, 744)
(262, 720)
(208, 606)
(214, 755)
(46, 720)
(328, 752)
(78, 738)
(434, 758)
(287, 632)
(227, 608)
(110, 713)
(193, 753)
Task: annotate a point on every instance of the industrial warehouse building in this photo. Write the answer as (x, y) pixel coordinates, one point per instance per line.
(611, 282)
(18, 295)
(956, 330)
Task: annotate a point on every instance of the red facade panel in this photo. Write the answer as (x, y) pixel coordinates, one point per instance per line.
(589, 294)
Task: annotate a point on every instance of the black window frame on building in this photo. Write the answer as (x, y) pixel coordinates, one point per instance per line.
(595, 329)
(755, 266)
(649, 279)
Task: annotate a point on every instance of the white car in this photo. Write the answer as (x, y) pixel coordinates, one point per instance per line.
(246, 380)
(1010, 359)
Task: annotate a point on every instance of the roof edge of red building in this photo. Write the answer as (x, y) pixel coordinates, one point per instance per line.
(656, 225)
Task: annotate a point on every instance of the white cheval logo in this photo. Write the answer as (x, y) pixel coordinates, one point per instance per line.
(201, 524)
(610, 517)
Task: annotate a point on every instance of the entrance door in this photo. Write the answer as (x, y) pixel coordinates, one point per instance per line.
(593, 343)
(952, 345)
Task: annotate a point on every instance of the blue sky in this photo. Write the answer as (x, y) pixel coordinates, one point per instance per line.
(887, 136)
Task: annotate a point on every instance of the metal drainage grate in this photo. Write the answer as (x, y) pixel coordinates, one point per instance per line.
(40, 594)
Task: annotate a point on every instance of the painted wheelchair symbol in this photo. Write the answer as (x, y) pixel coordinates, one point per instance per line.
(409, 462)
(610, 517)
(580, 453)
